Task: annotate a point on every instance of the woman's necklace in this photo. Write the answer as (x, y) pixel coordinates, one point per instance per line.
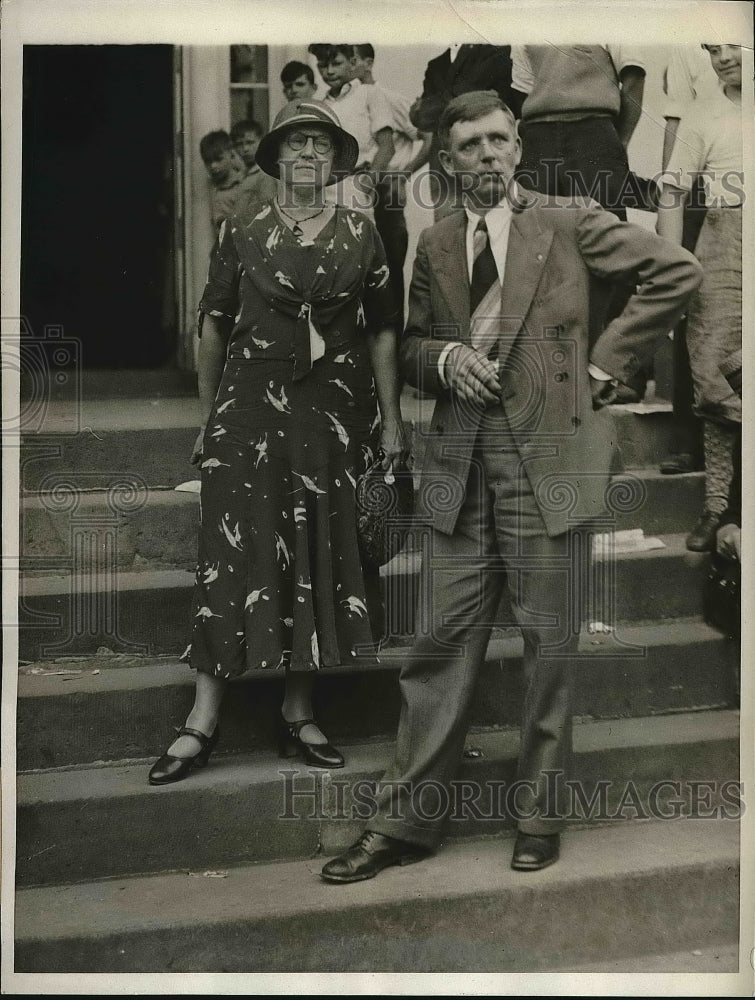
(296, 228)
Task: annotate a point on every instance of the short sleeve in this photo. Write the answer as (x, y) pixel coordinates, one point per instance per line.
(522, 78)
(688, 156)
(379, 306)
(399, 106)
(688, 76)
(221, 293)
(626, 55)
(379, 109)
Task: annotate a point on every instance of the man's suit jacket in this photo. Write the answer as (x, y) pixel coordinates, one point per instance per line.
(565, 445)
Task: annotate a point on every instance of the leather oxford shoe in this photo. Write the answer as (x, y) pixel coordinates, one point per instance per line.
(371, 854)
(535, 851)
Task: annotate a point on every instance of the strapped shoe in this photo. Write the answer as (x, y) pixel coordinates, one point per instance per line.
(371, 854)
(169, 768)
(290, 744)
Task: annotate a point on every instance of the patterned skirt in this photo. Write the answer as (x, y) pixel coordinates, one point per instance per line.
(280, 582)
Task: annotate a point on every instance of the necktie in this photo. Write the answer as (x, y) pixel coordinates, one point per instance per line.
(484, 271)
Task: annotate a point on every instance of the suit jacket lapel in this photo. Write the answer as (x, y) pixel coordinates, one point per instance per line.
(450, 264)
(525, 264)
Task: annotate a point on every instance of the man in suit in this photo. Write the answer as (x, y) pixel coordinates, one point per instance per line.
(458, 70)
(516, 468)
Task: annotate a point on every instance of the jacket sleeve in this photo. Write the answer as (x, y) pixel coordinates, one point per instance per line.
(423, 341)
(426, 110)
(665, 277)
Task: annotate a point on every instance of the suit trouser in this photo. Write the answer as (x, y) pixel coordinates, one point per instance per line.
(500, 540)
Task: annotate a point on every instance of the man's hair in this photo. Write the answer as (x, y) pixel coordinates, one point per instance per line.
(468, 108)
(343, 50)
(293, 70)
(320, 51)
(240, 129)
(214, 144)
(365, 51)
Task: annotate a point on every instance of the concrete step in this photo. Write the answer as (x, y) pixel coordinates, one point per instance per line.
(630, 889)
(158, 527)
(105, 708)
(78, 824)
(147, 611)
(720, 958)
(108, 384)
(96, 441)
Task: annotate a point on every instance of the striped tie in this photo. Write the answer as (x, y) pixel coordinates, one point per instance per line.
(484, 295)
(484, 271)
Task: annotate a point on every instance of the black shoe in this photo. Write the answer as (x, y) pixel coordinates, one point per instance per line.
(371, 854)
(290, 744)
(680, 462)
(702, 538)
(535, 851)
(169, 768)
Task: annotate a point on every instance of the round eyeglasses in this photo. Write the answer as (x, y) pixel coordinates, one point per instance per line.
(298, 140)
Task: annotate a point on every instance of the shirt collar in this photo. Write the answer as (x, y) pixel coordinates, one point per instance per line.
(496, 218)
(453, 50)
(346, 89)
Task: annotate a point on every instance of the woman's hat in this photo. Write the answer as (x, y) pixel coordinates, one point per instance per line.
(299, 112)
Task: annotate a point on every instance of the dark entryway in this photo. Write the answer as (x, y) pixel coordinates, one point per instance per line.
(97, 200)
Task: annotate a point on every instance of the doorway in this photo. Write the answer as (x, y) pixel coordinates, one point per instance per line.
(97, 227)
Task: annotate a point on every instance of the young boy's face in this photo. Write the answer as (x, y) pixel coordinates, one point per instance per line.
(727, 62)
(299, 88)
(339, 70)
(246, 147)
(220, 165)
(361, 66)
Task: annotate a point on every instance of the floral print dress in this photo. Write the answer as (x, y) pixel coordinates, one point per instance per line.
(279, 578)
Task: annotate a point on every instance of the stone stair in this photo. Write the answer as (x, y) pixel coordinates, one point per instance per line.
(219, 873)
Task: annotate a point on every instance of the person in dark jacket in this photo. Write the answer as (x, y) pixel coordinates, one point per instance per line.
(459, 70)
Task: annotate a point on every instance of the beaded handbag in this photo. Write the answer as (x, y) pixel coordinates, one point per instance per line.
(385, 507)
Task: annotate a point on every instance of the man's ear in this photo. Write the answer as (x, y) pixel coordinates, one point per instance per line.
(445, 161)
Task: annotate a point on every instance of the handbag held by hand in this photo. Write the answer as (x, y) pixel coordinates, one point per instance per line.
(385, 506)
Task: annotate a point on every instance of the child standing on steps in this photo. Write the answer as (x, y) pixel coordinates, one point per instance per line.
(709, 143)
(225, 171)
(255, 185)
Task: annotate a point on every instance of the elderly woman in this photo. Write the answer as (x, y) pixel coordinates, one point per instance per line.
(298, 345)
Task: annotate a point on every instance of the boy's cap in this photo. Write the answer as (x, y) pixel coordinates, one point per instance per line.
(308, 112)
